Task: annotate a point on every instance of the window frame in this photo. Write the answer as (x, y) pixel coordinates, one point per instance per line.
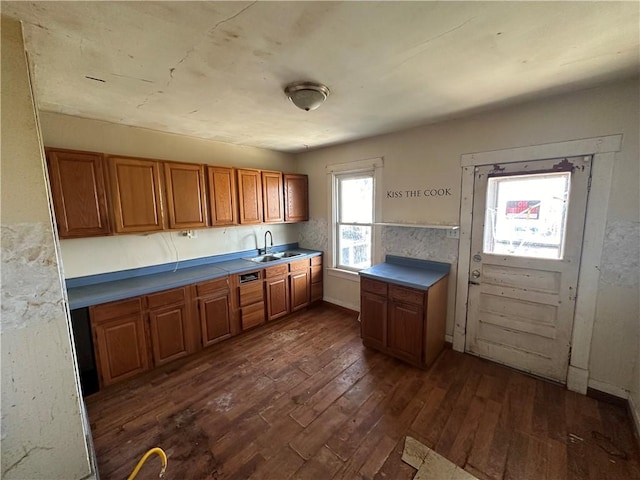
(359, 169)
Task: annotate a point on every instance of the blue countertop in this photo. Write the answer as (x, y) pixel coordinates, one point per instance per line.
(410, 272)
(96, 289)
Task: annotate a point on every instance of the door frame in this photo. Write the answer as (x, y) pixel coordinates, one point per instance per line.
(603, 150)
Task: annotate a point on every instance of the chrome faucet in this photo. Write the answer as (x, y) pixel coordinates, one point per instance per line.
(266, 249)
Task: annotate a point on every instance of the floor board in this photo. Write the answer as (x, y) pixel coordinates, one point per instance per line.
(302, 398)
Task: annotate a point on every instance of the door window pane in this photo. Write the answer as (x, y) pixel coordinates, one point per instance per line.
(526, 215)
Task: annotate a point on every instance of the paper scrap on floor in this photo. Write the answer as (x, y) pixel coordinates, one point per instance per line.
(431, 465)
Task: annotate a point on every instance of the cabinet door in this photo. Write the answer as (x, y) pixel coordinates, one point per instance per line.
(186, 196)
(215, 321)
(373, 320)
(136, 194)
(78, 191)
(277, 297)
(272, 197)
(168, 334)
(405, 330)
(121, 348)
(299, 289)
(296, 197)
(222, 196)
(250, 196)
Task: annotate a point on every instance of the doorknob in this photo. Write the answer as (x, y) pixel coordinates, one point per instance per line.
(475, 274)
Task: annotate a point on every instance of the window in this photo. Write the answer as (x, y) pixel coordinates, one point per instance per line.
(353, 211)
(354, 220)
(526, 215)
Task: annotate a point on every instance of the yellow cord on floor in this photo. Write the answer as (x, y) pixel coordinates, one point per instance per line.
(160, 453)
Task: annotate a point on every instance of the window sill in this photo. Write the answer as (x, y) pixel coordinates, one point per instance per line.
(344, 274)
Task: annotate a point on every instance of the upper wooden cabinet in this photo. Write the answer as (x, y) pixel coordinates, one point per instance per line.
(136, 193)
(296, 197)
(186, 195)
(250, 196)
(222, 196)
(98, 194)
(272, 197)
(79, 194)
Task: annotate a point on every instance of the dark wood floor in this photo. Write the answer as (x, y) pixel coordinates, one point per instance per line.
(302, 398)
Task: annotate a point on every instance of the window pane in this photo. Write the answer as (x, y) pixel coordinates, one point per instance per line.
(356, 200)
(354, 246)
(526, 215)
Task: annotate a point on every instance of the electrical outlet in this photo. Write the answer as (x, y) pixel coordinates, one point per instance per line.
(453, 232)
(191, 234)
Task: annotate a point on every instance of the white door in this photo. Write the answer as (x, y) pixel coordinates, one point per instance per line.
(526, 241)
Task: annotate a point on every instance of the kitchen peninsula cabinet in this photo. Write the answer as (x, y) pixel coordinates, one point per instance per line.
(249, 196)
(222, 196)
(136, 194)
(296, 197)
(186, 195)
(170, 325)
(404, 320)
(119, 340)
(213, 309)
(272, 197)
(79, 193)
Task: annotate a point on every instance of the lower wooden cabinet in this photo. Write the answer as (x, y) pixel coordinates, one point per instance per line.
(404, 322)
(120, 340)
(317, 290)
(214, 312)
(299, 284)
(131, 336)
(169, 325)
(374, 309)
(250, 299)
(277, 290)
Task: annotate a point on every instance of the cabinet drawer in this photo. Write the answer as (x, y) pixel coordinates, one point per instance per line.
(316, 260)
(299, 265)
(212, 286)
(168, 297)
(276, 270)
(252, 315)
(406, 295)
(251, 293)
(373, 286)
(108, 311)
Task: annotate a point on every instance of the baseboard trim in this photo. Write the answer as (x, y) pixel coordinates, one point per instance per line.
(606, 397)
(607, 388)
(340, 303)
(346, 310)
(635, 416)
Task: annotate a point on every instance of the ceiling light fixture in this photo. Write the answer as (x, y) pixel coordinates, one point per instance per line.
(306, 95)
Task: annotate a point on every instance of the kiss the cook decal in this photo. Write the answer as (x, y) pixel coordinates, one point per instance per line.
(425, 192)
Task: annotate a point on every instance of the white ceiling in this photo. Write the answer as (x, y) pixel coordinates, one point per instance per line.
(217, 70)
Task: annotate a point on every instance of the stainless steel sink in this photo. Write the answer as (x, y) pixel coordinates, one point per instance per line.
(287, 254)
(274, 256)
(264, 258)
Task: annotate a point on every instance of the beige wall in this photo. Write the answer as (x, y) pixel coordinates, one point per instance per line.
(430, 155)
(89, 256)
(43, 432)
